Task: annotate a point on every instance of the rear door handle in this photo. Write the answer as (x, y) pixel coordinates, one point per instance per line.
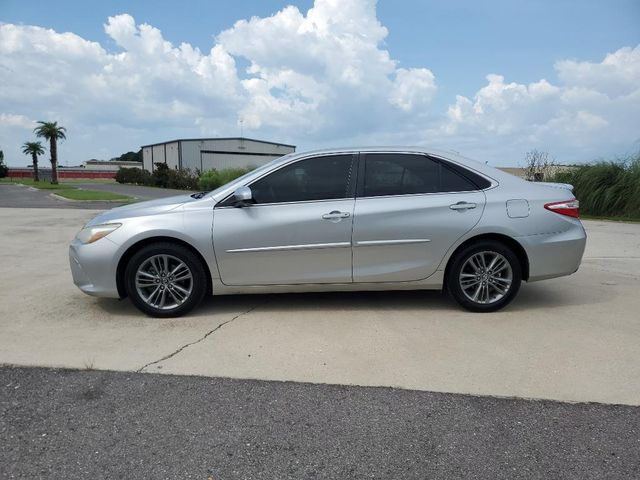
(336, 215)
(462, 206)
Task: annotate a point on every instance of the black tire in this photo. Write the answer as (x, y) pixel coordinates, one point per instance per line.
(175, 252)
(459, 261)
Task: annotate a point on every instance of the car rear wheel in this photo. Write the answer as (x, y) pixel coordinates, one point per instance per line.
(165, 280)
(485, 276)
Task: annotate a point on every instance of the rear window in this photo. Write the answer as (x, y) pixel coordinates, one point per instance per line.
(479, 181)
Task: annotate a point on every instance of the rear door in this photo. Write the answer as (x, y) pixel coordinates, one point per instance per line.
(410, 208)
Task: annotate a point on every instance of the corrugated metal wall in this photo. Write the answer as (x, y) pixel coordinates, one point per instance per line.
(224, 160)
(171, 151)
(158, 154)
(216, 153)
(146, 158)
(191, 154)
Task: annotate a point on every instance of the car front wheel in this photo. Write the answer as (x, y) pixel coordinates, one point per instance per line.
(484, 277)
(165, 280)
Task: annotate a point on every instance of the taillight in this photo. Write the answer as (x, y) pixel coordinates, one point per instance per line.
(570, 208)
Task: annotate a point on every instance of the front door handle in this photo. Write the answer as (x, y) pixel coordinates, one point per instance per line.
(335, 215)
(462, 206)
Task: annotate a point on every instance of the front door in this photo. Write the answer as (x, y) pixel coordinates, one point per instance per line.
(410, 209)
(298, 230)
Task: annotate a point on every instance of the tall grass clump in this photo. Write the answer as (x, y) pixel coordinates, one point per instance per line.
(212, 179)
(607, 188)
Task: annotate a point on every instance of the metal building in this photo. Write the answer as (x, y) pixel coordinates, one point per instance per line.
(209, 153)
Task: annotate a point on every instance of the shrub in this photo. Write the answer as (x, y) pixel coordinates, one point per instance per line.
(209, 180)
(160, 175)
(133, 175)
(608, 189)
(212, 179)
(181, 179)
(165, 177)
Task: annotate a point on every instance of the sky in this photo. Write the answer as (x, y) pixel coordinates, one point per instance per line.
(490, 80)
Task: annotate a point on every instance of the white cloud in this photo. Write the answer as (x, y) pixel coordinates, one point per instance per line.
(594, 110)
(322, 77)
(313, 70)
(412, 88)
(310, 76)
(617, 75)
(13, 120)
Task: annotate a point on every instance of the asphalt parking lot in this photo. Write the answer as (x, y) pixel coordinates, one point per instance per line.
(572, 339)
(18, 196)
(89, 424)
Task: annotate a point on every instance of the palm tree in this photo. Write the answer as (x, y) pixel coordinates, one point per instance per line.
(34, 149)
(52, 132)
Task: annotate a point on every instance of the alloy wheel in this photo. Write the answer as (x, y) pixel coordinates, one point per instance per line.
(164, 281)
(486, 277)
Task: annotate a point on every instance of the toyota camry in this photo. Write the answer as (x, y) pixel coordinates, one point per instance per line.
(336, 220)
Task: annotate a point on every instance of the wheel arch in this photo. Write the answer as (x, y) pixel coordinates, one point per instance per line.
(131, 250)
(510, 242)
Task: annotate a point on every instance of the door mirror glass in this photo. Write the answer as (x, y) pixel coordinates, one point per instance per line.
(243, 196)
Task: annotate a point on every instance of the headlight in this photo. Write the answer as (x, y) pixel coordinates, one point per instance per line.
(91, 234)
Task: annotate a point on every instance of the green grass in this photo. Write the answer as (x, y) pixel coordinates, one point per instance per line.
(608, 190)
(79, 194)
(87, 180)
(67, 190)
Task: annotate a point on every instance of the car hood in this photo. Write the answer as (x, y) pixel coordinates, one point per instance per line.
(140, 209)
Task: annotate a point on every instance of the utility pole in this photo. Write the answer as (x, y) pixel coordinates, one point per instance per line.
(241, 147)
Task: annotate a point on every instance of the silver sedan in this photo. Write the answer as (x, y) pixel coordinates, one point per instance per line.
(348, 219)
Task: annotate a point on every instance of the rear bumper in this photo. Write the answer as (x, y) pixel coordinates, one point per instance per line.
(554, 254)
(93, 267)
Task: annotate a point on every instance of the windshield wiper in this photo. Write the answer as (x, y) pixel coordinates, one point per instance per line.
(198, 195)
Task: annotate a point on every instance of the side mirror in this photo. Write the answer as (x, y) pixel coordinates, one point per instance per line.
(243, 197)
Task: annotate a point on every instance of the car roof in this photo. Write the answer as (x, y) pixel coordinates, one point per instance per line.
(497, 176)
(451, 155)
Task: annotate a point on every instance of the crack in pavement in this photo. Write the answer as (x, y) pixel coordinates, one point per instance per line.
(204, 337)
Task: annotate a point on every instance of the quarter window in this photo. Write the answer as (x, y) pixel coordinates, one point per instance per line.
(403, 174)
(318, 178)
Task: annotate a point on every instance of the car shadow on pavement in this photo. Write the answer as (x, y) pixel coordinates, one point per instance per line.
(531, 297)
(302, 302)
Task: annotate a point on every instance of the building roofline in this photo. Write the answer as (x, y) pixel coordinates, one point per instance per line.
(217, 138)
(112, 162)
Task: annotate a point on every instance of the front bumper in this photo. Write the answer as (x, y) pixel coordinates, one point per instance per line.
(93, 267)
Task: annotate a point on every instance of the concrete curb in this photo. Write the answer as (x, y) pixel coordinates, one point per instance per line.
(59, 197)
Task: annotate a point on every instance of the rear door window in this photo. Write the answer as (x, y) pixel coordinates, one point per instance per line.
(405, 174)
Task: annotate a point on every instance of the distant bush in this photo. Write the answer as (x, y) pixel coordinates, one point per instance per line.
(181, 180)
(607, 189)
(212, 179)
(133, 175)
(162, 176)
